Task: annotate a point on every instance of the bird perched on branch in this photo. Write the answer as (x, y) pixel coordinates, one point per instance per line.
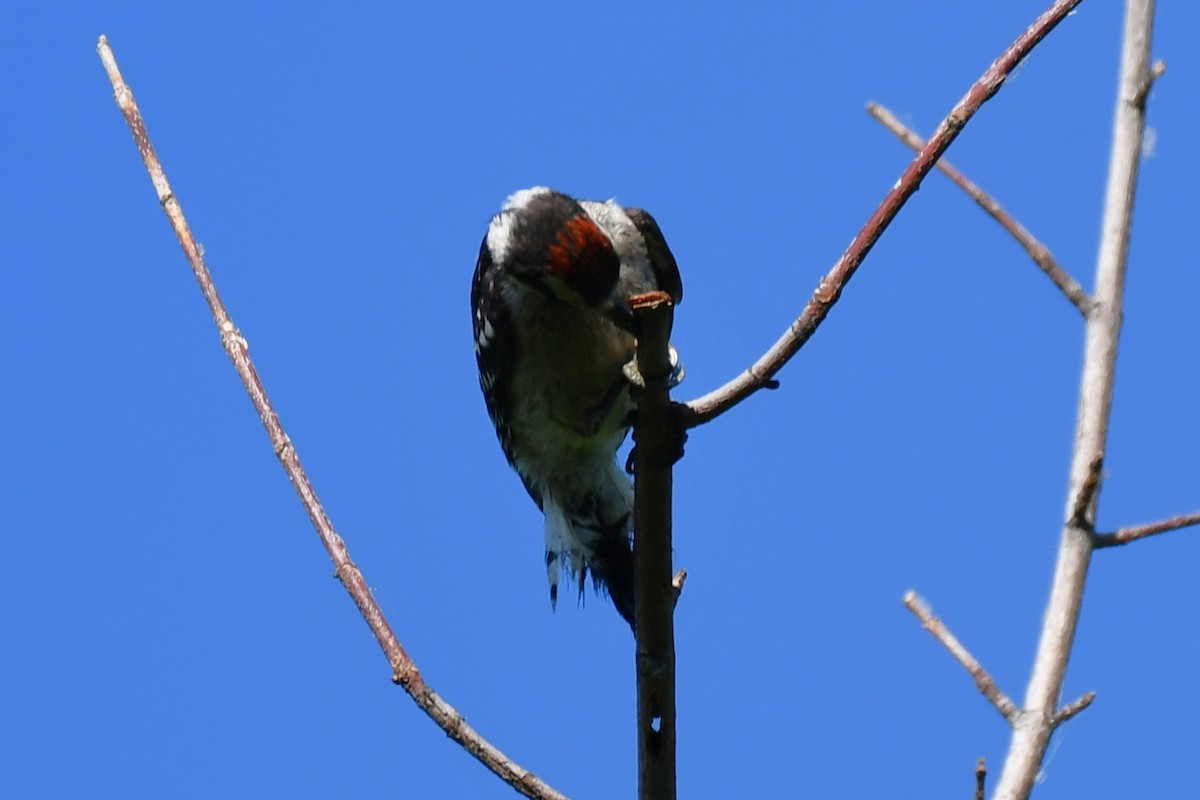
(553, 337)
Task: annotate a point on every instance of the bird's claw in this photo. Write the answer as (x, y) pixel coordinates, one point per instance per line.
(678, 372)
(674, 449)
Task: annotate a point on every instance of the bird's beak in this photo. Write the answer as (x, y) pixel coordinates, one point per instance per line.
(619, 313)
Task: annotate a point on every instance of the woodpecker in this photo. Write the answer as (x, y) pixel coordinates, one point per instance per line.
(554, 341)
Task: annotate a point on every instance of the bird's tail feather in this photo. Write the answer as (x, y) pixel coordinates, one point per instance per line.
(612, 567)
(579, 543)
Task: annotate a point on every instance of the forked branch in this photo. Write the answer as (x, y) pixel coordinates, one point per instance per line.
(760, 375)
(1134, 532)
(1040, 714)
(983, 680)
(1040, 254)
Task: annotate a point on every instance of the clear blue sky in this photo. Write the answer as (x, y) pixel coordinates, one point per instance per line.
(171, 626)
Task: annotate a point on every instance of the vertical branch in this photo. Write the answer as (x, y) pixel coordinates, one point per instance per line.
(1035, 724)
(656, 436)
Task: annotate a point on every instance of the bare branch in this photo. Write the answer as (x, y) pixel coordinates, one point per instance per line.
(404, 671)
(1037, 251)
(1135, 532)
(1032, 733)
(1084, 508)
(1007, 708)
(980, 777)
(1068, 711)
(658, 438)
(759, 375)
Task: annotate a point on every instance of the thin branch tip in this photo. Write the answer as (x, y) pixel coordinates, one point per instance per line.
(983, 680)
(679, 580)
(1068, 711)
(1037, 251)
(677, 587)
(1135, 532)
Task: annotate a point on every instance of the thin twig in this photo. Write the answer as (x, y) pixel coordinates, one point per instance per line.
(1037, 251)
(759, 375)
(980, 777)
(404, 671)
(1031, 735)
(657, 436)
(1134, 532)
(1070, 710)
(1007, 708)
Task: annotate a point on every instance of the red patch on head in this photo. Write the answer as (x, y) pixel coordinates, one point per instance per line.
(582, 257)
